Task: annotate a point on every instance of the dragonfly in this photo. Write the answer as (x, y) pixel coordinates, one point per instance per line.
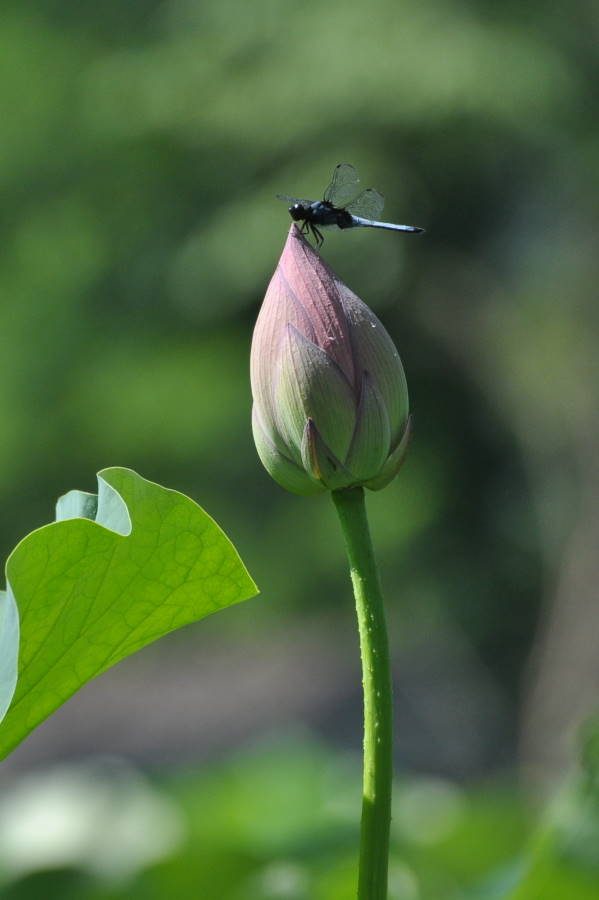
(343, 205)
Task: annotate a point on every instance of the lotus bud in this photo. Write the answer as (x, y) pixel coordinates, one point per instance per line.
(330, 395)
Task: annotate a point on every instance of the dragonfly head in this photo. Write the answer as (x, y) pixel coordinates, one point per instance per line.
(297, 212)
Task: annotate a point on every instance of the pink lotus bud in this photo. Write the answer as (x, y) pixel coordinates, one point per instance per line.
(330, 395)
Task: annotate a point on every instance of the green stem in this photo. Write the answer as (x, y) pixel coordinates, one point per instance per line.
(378, 702)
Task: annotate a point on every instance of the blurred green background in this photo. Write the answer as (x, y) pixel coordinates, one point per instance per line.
(142, 147)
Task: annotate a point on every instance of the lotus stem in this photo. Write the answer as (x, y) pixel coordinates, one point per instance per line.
(378, 701)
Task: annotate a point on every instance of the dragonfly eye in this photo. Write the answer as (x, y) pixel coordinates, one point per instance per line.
(296, 211)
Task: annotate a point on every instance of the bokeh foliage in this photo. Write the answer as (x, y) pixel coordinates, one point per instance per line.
(278, 823)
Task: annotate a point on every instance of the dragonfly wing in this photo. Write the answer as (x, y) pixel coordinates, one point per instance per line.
(369, 204)
(343, 187)
(293, 200)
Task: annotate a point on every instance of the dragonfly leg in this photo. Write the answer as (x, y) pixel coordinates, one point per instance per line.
(318, 236)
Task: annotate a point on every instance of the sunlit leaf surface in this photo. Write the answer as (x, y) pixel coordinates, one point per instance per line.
(114, 573)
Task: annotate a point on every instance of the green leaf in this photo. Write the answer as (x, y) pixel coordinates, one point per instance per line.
(116, 572)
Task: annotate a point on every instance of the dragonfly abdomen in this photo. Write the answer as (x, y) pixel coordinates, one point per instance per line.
(358, 221)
